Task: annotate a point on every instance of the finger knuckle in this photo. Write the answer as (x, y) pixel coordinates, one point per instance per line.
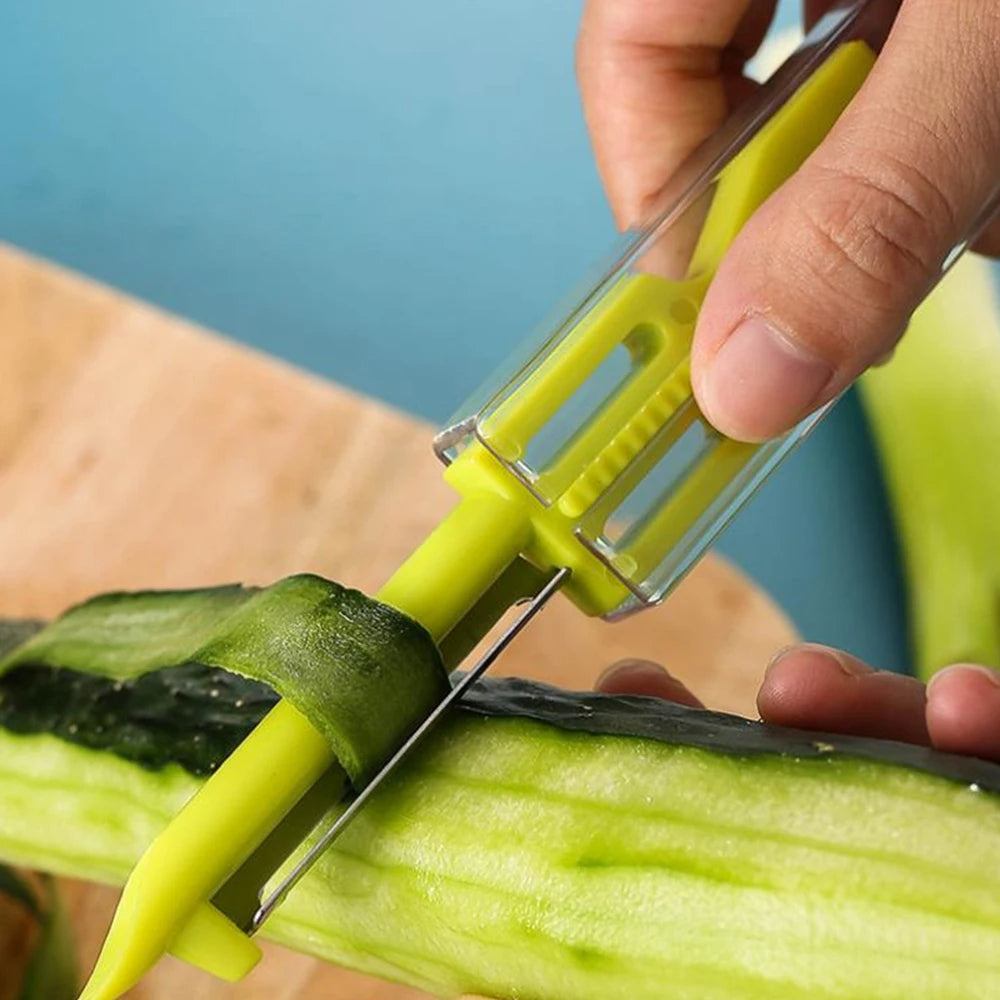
(879, 229)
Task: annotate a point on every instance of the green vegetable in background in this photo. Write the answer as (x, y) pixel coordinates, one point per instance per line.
(51, 972)
(333, 652)
(934, 410)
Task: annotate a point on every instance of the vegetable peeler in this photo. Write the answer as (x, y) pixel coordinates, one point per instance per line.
(585, 468)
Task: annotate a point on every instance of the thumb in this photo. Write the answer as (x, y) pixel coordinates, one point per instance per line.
(822, 280)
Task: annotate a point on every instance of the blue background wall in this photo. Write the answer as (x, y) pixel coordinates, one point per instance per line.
(389, 193)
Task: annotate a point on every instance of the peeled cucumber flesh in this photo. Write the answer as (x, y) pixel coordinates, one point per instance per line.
(518, 858)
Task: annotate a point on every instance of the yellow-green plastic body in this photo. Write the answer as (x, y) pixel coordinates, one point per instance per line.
(573, 497)
(166, 903)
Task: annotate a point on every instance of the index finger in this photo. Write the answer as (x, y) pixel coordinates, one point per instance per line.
(657, 77)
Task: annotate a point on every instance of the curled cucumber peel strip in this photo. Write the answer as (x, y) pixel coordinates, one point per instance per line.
(363, 673)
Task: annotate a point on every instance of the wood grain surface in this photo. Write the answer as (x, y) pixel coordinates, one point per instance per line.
(137, 450)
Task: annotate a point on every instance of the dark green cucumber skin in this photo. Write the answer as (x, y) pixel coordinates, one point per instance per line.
(718, 732)
(195, 716)
(191, 715)
(365, 674)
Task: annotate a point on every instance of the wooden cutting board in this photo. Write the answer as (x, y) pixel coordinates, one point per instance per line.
(137, 450)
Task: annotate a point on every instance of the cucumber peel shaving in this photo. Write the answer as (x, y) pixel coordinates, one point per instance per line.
(549, 845)
(934, 410)
(331, 651)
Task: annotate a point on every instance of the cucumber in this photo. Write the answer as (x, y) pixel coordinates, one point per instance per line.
(332, 652)
(191, 715)
(565, 847)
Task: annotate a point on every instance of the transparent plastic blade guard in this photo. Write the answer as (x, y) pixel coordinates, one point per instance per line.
(597, 415)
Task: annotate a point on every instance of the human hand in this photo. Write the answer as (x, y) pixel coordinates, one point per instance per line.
(822, 280)
(822, 689)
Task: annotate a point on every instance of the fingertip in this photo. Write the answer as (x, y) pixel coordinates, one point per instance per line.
(819, 688)
(801, 681)
(963, 710)
(620, 669)
(644, 677)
